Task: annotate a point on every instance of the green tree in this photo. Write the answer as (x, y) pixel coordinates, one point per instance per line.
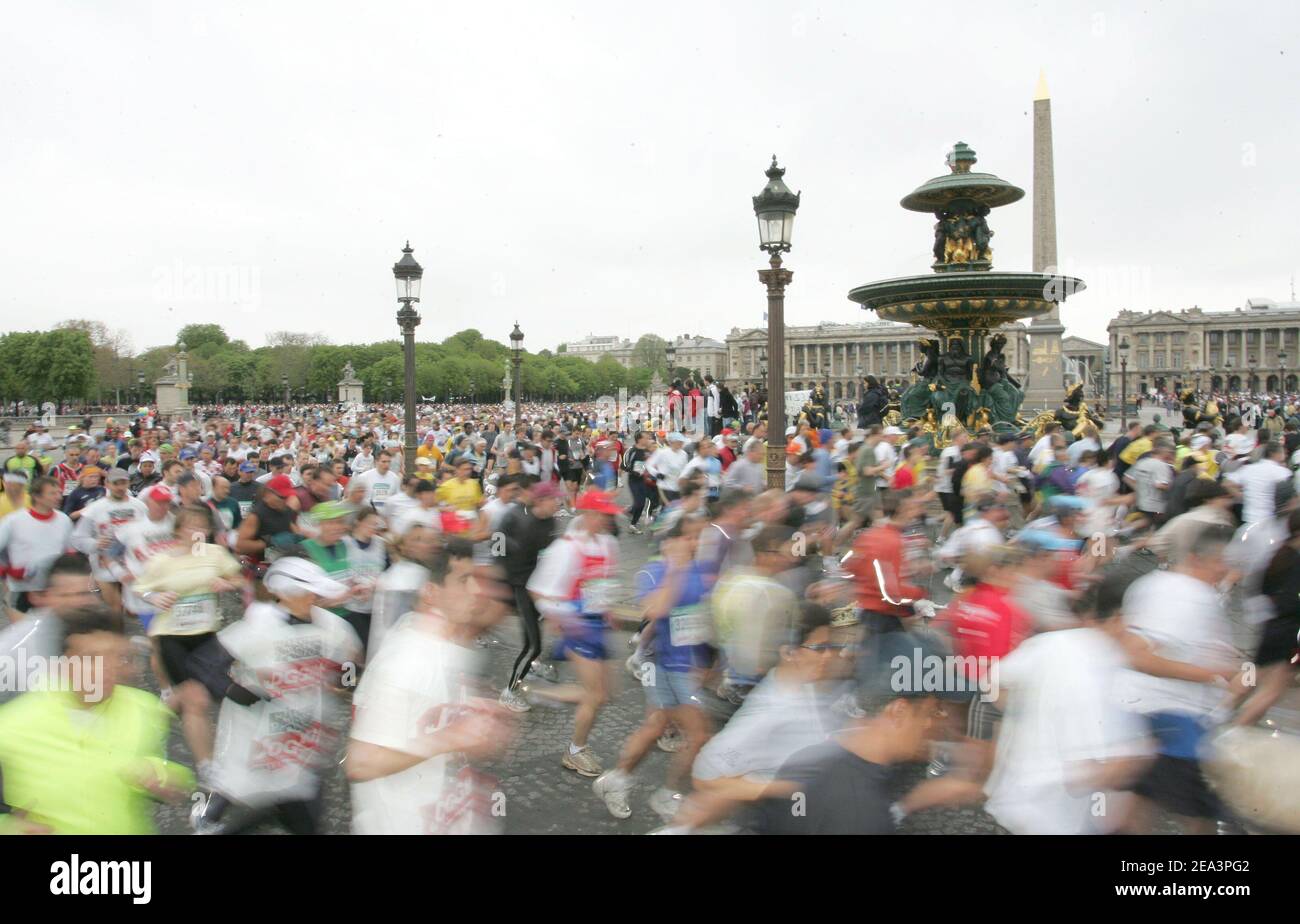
(648, 353)
(68, 359)
(205, 339)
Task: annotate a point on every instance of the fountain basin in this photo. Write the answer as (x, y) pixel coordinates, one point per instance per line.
(965, 300)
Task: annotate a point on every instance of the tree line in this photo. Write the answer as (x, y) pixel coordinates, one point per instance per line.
(85, 362)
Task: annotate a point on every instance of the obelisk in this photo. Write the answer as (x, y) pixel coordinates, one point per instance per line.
(1046, 385)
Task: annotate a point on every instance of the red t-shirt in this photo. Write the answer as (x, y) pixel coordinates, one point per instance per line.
(904, 477)
(985, 623)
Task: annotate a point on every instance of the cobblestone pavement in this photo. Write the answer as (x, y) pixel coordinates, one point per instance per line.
(542, 797)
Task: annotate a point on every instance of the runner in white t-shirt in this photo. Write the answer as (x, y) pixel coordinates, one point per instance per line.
(417, 716)
(380, 482)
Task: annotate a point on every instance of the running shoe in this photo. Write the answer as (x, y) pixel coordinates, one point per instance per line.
(584, 763)
(665, 803)
(634, 529)
(613, 788)
(514, 700)
(545, 671)
(671, 741)
(636, 667)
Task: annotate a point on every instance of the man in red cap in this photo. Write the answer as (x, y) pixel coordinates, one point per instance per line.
(272, 519)
(141, 539)
(575, 586)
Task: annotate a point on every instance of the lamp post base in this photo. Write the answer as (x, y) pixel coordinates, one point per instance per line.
(775, 466)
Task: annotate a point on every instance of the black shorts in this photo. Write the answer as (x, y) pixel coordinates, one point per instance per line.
(1278, 643)
(1178, 785)
(574, 475)
(950, 501)
(174, 652)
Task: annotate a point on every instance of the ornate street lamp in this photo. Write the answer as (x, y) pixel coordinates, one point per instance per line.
(408, 274)
(1123, 384)
(1281, 378)
(517, 358)
(670, 352)
(775, 207)
(284, 383)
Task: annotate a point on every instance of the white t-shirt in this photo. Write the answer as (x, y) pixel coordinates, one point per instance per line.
(578, 567)
(1259, 483)
(887, 456)
(667, 466)
(411, 688)
(1184, 620)
(378, 487)
(943, 476)
(777, 720)
(104, 519)
(1061, 709)
(274, 750)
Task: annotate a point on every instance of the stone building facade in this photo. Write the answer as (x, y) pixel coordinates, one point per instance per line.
(1256, 348)
(840, 354)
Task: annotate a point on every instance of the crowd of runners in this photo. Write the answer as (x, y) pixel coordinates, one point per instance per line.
(1034, 624)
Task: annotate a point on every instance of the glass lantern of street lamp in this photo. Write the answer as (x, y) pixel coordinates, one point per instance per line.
(1123, 350)
(408, 274)
(775, 207)
(671, 352)
(516, 339)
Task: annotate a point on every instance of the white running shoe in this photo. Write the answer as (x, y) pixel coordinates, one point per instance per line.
(665, 803)
(544, 671)
(514, 700)
(613, 786)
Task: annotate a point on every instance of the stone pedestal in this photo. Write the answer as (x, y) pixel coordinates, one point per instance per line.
(350, 387)
(172, 389)
(1045, 387)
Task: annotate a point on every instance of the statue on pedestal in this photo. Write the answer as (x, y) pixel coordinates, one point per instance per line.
(952, 384)
(916, 399)
(1000, 394)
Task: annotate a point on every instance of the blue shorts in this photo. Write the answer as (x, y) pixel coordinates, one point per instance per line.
(584, 637)
(673, 688)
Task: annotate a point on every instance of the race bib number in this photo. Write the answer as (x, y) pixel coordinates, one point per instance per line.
(194, 614)
(638, 468)
(689, 625)
(244, 507)
(379, 492)
(598, 595)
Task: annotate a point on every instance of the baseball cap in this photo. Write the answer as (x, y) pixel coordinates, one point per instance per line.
(546, 489)
(90, 470)
(117, 474)
(281, 485)
(149, 456)
(1043, 540)
(676, 437)
(16, 477)
(791, 431)
(1067, 503)
(893, 431)
(293, 575)
(598, 502)
(247, 466)
(330, 510)
(187, 454)
(158, 494)
(1200, 441)
(166, 447)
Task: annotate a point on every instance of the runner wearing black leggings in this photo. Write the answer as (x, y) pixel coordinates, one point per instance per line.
(529, 529)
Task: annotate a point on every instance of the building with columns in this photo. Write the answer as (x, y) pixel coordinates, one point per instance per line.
(840, 354)
(708, 356)
(1085, 362)
(594, 347)
(1255, 348)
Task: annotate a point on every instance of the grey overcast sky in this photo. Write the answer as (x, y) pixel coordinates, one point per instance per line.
(587, 167)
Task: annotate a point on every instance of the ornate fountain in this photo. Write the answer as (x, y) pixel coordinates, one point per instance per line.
(963, 377)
